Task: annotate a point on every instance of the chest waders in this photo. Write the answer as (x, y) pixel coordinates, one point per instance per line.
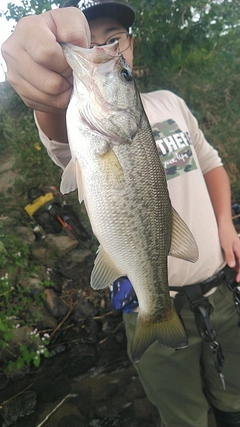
(202, 309)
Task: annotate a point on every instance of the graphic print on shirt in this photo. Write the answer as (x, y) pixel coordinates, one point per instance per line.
(174, 147)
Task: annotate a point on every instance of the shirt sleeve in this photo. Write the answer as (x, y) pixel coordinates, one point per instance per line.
(59, 152)
(207, 155)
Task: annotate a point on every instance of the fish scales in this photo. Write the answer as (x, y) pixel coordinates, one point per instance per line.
(119, 175)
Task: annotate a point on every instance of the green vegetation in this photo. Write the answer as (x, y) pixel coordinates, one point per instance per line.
(17, 350)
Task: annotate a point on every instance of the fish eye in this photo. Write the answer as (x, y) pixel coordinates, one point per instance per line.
(127, 75)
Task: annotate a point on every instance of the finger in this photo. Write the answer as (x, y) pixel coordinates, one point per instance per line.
(47, 81)
(47, 101)
(50, 104)
(60, 25)
(232, 257)
(33, 53)
(236, 249)
(229, 253)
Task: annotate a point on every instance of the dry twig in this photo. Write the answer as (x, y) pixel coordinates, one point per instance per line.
(113, 332)
(18, 394)
(63, 320)
(54, 409)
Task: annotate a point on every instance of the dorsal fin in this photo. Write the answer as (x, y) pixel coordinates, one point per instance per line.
(183, 244)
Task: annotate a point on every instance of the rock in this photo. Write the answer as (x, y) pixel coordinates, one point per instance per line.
(3, 381)
(47, 251)
(34, 285)
(80, 359)
(119, 421)
(61, 348)
(85, 331)
(135, 389)
(26, 234)
(18, 406)
(79, 256)
(62, 244)
(84, 309)
(21, 335)
(75, 265)
(73, 421)
(45, 320)
(27, 421)
(143, 409)
(111, 407)
(50, 389)
(56, 307)
(120, 338)
(39, 253)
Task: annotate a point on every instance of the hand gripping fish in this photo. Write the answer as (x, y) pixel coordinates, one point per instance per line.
(117, 170)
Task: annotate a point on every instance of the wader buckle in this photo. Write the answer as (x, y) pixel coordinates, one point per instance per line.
(234, 288)
(202, 310)
(217, 356)
(218, 360)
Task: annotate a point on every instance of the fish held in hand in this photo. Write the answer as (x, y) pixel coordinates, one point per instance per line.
(117, 170)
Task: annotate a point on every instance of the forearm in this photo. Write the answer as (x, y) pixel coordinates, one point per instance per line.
(53, 125)
(218, 186)
(220, 193)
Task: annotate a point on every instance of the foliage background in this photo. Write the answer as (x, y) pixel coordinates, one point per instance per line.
(189, 47)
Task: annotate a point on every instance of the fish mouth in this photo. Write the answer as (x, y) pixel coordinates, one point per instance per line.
(94, 54)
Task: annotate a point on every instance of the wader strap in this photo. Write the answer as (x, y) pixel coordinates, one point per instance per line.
(234, 287)
(201, 307)
(197, 291)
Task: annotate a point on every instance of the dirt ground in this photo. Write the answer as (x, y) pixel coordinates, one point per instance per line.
(7, 174)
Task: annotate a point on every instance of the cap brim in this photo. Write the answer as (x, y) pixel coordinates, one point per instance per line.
(121, 12)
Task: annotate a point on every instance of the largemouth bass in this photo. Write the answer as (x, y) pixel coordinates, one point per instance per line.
(117, 170)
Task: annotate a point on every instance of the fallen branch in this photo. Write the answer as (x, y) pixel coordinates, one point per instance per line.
(103, 316)
(236, 216)
(55, 409)
(113, 332)
(18, 394)
(63, 320)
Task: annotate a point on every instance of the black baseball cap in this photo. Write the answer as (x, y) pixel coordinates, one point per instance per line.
(122, 12)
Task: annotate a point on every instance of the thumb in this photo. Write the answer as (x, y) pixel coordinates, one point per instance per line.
(46, 31)
(70, 26)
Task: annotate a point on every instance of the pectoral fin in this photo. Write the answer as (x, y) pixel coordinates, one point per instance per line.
(72, 179)
(104, 271)
(114, 173)
(183, 244)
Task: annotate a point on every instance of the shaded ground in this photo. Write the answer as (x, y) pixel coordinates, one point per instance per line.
(109, 394)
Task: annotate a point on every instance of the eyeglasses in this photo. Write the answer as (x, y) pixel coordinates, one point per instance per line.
(123, 39)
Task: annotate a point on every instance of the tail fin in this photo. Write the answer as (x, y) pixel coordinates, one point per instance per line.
(169, 332)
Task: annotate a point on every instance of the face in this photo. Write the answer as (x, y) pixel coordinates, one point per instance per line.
(103, 28)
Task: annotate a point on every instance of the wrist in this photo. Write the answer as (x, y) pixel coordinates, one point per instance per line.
(53, 125)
